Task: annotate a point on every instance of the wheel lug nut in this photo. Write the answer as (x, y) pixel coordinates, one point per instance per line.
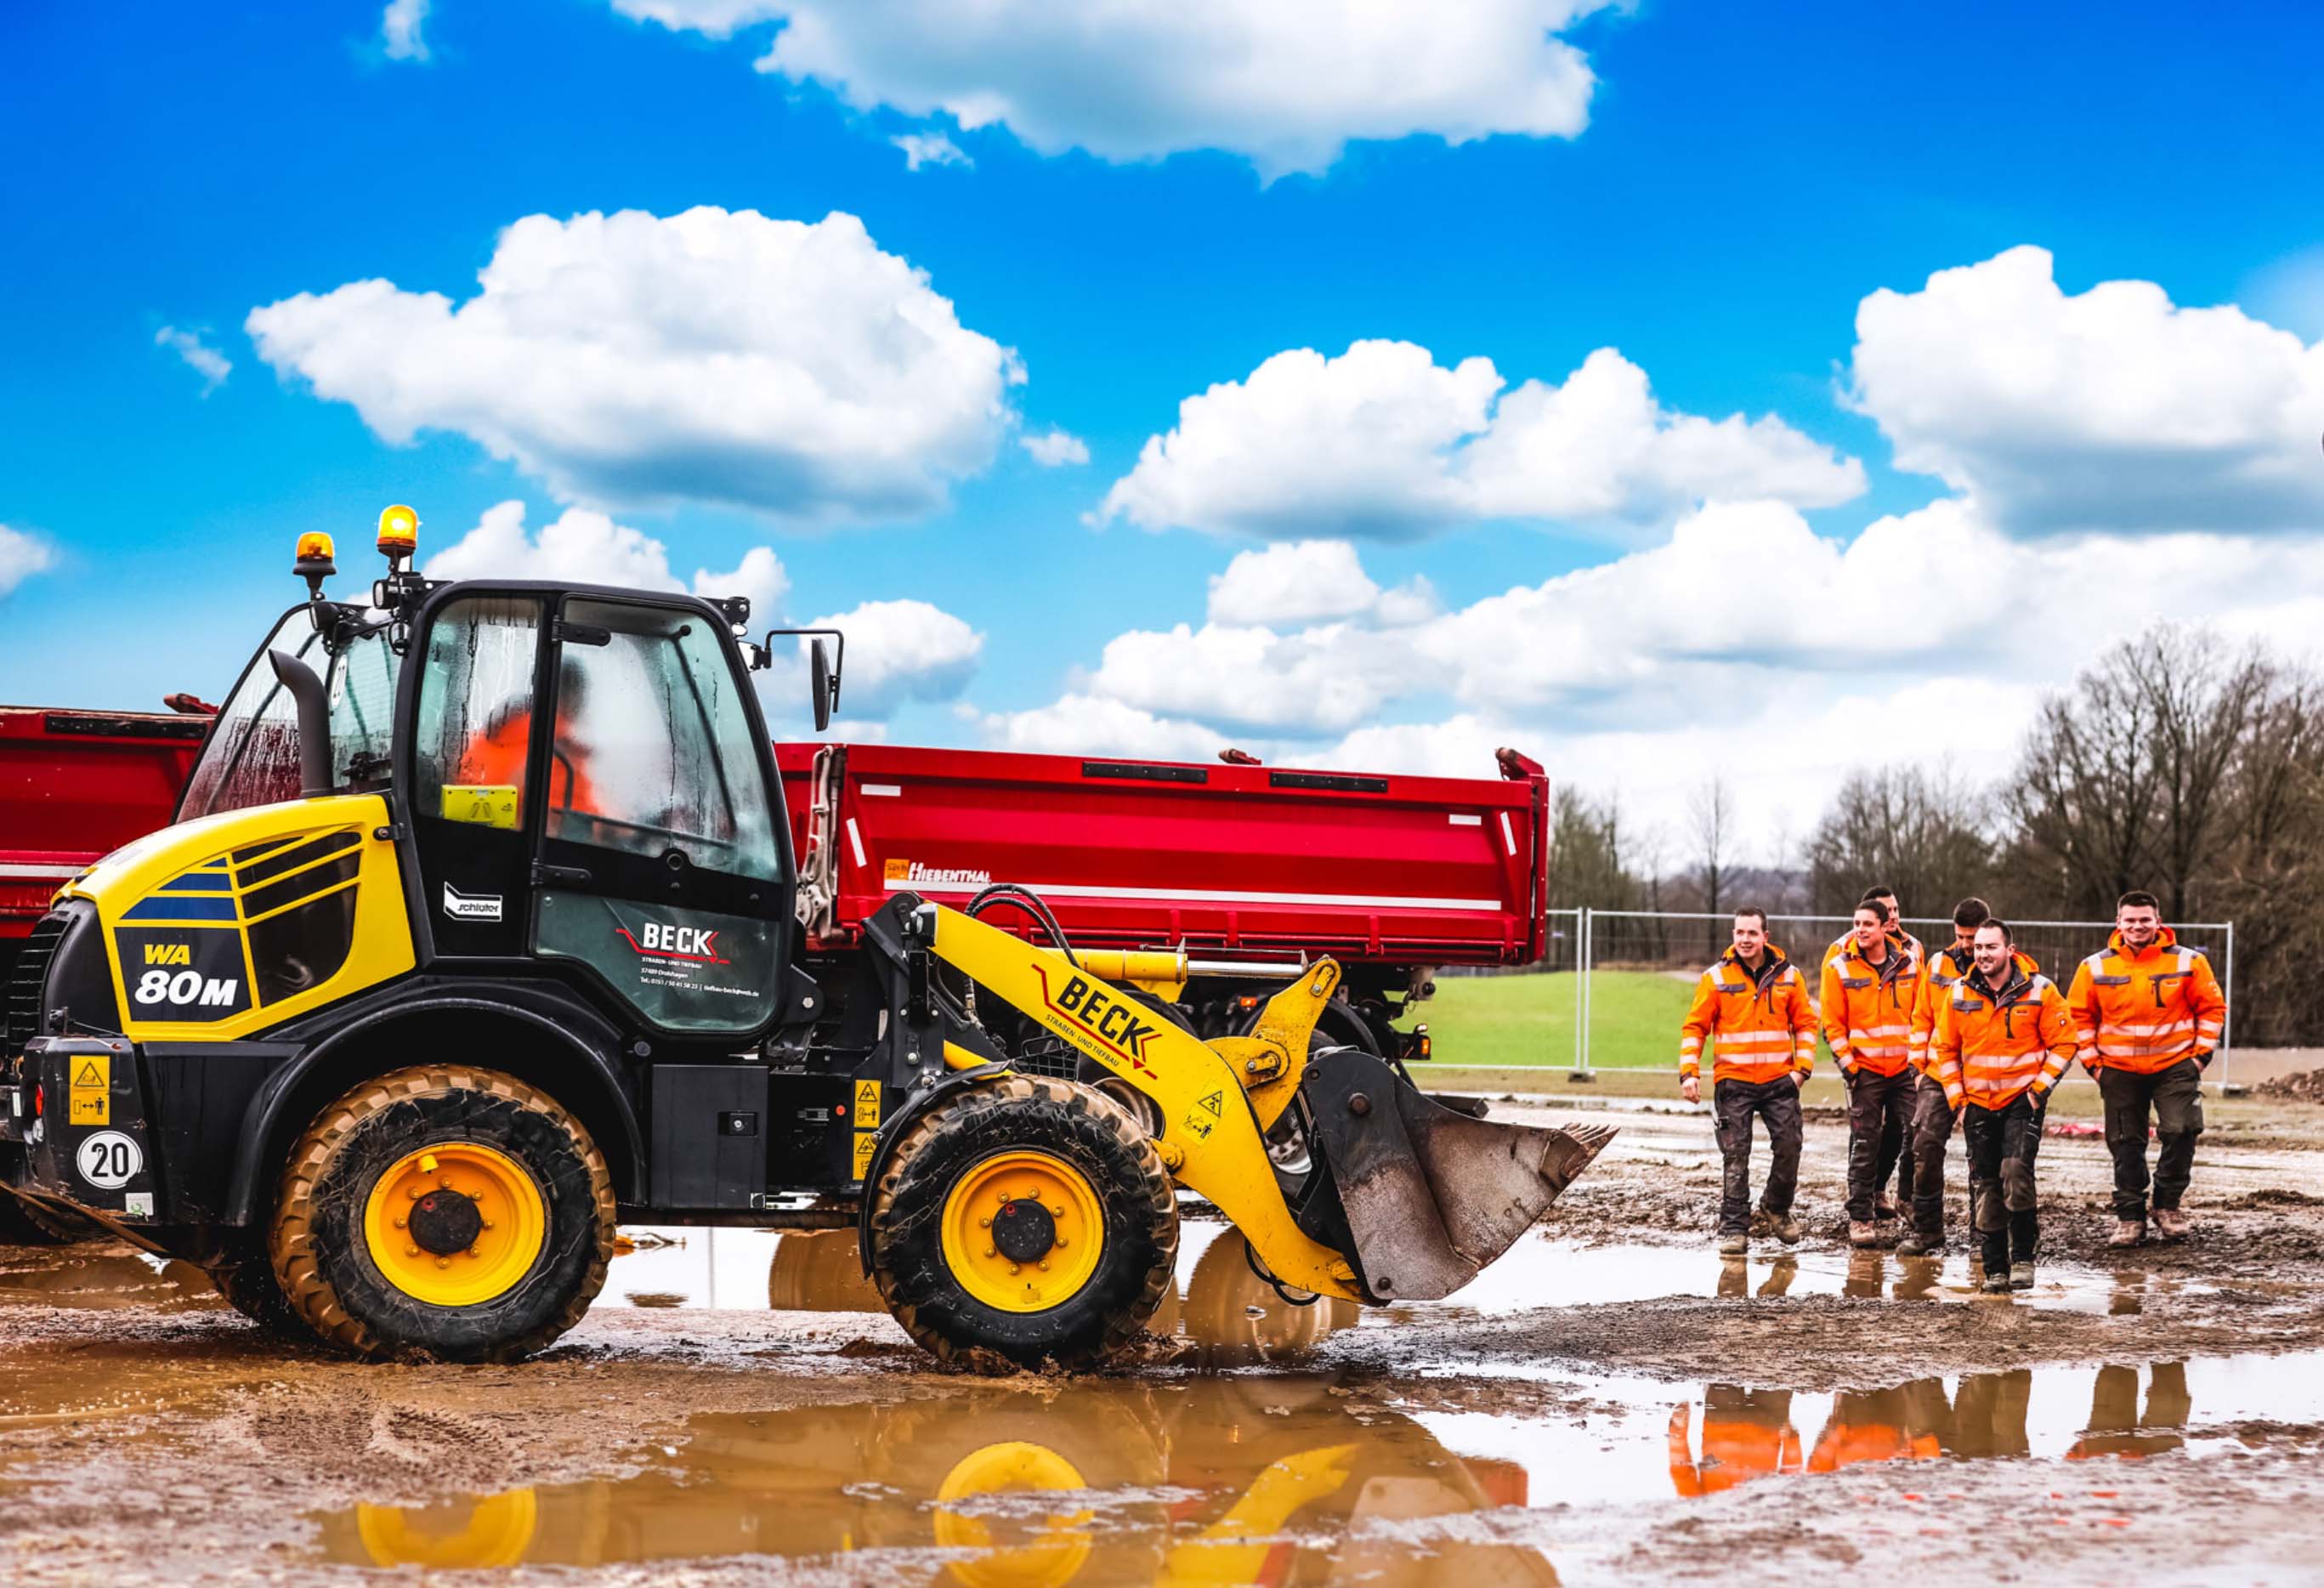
(984, 1224)
(1061, 1242)
(987, 1251)
(1044, 1265)
(411, 1252)
(474, 1252)
(443, 1262)
(399, 1223)
(1014, 1269)
(488, 1224)
(417, 1192)
(1060, 1212)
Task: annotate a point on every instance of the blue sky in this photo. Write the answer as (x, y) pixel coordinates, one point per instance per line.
(1746, 178)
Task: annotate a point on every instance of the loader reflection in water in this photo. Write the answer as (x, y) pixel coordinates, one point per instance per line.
(1177, 1481)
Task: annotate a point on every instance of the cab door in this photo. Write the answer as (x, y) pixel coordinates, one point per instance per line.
(661, 865)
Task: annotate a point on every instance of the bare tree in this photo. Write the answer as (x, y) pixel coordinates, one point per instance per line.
(1923, 831)
(1710, 822)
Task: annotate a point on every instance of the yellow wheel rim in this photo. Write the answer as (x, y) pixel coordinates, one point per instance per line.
(493, 1531)
(1052, 1558)
(1023, 1231)
(456, 1223)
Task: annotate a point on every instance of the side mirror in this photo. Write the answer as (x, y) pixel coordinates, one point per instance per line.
(819, 672)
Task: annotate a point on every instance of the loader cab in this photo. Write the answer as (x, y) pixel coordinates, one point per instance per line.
(589, 786)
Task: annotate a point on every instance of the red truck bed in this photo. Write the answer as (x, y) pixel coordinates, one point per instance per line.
(1396, 869)
(75, 785)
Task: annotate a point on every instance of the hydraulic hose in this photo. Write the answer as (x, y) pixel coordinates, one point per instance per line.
(1026, 900)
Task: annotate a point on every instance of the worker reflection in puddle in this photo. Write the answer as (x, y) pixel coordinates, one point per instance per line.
(1882, 1425)
(1747, 1434)
(2115, 1428)
(1990, 1413)
(1735, 1276)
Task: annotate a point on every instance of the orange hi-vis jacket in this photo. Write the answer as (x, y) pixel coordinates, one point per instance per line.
(2144, 1013)
(1737, 1447)
(1759, 1028)
(1867, 1009)
(1992, 1048)
(1939, 975)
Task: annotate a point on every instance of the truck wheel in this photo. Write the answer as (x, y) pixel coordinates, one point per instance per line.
(26, 1223)
(1028, 1218)
(246, 1277)
(448, 1211)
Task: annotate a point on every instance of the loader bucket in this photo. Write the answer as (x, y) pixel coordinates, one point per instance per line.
(1428, 1195)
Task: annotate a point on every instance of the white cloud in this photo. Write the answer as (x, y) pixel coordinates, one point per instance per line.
(929, 149)
(901, 651)
(204, 360)
(1054, 448)
(1383, 441)
(2109, 409)
(21, 555)
(714, 357)
(1085, 725)
(1287, 84)
(586, 548)
(1291, 582)
(399, 30)
(1744, 642)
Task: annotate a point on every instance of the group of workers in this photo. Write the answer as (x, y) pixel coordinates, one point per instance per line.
(1972, 1036)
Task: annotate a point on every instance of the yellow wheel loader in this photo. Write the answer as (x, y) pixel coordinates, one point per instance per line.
(477, 934)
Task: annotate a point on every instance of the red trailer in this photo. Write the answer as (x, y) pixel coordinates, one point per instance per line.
(1250, 869)
(76, 785)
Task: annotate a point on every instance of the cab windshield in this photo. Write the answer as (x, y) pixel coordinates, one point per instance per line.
(252, 757)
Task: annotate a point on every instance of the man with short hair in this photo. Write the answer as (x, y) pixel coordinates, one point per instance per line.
(1870, 989)
(1752, 1008)
(2003, 1038)
(1933, 1118)
(2149, 1013)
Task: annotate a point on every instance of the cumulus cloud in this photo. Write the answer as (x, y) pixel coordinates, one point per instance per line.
(1085, 725)
(2109, 409)
(901, 651)
(634, 360)
(929, 149)
(1054, 448)
(1385, 442)
(1301, 581)
(586, 548)
(399, 30)
(21, 555)
(1287, 84)
(197, 355)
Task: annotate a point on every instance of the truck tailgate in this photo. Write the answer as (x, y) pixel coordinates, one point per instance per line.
(1408, 870)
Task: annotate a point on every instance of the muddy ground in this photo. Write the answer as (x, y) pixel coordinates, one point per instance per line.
(1612, 1403)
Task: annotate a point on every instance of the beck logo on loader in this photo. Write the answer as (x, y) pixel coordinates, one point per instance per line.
(1108, 1019)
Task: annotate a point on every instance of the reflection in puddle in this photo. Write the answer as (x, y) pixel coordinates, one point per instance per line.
(97, 1277)
(1201, 1481)
(1277, 1477)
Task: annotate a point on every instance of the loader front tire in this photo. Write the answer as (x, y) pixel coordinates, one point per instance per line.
(1028, 1219)
(443, 1211)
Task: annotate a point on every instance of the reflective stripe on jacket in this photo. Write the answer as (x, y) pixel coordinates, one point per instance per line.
(2144, 1013)
(1991, 1048)
(1758, 1027)
(1867, 1009)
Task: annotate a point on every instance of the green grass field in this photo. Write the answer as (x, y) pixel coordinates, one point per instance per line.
(1524, 1021)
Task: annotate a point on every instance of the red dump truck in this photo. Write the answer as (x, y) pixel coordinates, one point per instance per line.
(75, 785)
(1251, 869)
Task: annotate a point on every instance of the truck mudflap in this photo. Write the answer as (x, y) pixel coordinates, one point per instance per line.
(87, 1145)
(1424, 1196)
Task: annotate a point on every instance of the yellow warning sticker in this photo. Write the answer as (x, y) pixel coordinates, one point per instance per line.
(867, 1106)
(865, 1141)
(488, 804)
(1199, 1124)
(91, 1093)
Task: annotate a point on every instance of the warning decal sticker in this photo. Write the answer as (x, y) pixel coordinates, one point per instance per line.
(91, 1091)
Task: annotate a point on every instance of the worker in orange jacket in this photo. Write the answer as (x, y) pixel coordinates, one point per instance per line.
(1752, 1008)
(1873, 1426)
(1870, 989)
(1933, 1118)
(1747, 1434)
(2002, 1041)
(2149, 1013)
(1895, 1155)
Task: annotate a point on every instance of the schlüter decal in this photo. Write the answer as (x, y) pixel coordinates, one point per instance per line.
(471, 906)
(186, 974)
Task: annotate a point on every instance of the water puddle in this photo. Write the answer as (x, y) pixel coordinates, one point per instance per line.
(1217, 1298)
(1244, 1478)
(102, 1279)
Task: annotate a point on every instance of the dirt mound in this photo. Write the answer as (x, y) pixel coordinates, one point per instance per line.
(2306, 1086)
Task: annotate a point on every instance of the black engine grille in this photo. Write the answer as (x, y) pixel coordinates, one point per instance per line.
(19, 1010)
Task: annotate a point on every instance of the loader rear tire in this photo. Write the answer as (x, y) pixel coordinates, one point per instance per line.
(1097, 1247)
(30, 1223)
(518, 1208)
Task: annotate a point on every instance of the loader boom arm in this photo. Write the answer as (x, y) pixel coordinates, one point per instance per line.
(1212, 1138)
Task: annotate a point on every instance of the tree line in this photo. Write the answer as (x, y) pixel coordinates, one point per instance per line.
(2180, 763)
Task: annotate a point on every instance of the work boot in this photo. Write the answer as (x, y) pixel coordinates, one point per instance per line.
(1734, 1245)
(1883, 1210)
(2171, 1225)
(2127, 1232)
(1861, 1234)
(2021, 1274)
(1784, 1227)
(1918, 1244)
(1996, 1285)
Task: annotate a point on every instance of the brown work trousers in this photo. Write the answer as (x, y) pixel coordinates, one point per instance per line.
(2175, 1097)
(1932, 1131)
(1734, 1105)
(1879, 1107)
